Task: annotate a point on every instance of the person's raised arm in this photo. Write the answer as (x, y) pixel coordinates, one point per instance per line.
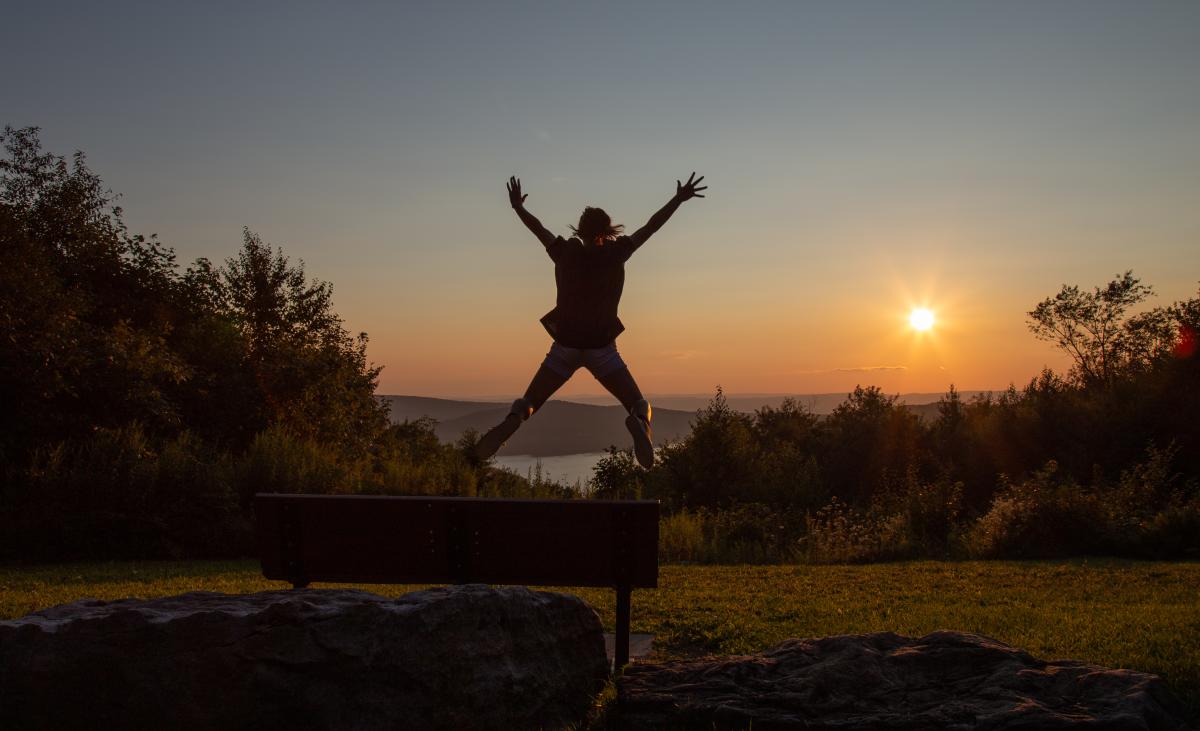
(531, 222)
(683, 192)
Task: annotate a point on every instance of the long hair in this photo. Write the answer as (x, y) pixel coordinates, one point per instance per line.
(595, 226)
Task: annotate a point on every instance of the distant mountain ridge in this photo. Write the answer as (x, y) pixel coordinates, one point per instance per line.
(818, 403)
(409, 408)
(559, 427)
(570, 427)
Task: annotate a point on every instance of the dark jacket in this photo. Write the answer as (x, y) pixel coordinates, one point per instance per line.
(590, 280)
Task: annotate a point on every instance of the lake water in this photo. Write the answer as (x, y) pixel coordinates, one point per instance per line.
(565, 468)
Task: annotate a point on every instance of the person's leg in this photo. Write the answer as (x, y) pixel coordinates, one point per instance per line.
(612, 373)
(621, 384)
(543, 385)
(555, 370)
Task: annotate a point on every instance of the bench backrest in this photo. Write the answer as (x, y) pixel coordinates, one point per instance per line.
(385, 539)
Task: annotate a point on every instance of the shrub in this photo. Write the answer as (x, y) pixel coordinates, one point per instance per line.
(113, 494)
(91, 496)
(681, 538)
(615, 476)
(930, 513)
(278, 461)
(1042, 517)
(840, 534)
(1173, 532)
(744, 533)
(197, 503)
(753, 533)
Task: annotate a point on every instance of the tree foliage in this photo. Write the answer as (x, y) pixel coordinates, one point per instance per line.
(103, 330)
(143, 406)
(1106, 459)
(1104, 341)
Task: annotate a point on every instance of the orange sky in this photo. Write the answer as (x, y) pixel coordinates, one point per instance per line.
(862, 158)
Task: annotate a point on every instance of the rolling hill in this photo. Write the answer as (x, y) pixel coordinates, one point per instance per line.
(560, 427)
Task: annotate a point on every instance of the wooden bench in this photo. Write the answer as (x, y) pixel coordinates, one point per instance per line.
(371, 539)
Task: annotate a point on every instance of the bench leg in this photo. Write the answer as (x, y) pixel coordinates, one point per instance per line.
(621, 649)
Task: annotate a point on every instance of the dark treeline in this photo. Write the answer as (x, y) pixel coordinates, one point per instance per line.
(1102, 460)
(143, 404)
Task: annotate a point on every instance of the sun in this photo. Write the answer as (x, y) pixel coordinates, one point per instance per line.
(921, 319)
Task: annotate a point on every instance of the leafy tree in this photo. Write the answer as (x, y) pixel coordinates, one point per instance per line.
(102, 330)
(615, 476)
(787, 473)
(1187, 315)
(1096, 330)
(789, 424)
(311, 374)
(869, 444)
(717, 460)
(88, 310)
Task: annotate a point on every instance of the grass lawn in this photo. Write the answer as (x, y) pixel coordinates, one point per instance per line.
(1142, 615)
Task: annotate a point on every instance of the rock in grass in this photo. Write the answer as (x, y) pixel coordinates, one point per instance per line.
(459, 657)
(944, 680)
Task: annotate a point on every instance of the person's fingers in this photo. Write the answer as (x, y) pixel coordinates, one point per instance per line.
(697, 195)
(697, 181)
(702, 187)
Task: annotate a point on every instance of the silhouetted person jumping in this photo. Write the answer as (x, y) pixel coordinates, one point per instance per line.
(589, 269)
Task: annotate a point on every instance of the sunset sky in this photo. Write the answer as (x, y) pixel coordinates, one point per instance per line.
(863, 159)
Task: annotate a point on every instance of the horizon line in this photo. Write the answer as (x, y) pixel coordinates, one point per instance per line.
(697, 394)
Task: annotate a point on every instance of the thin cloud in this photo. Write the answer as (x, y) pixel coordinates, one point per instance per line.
(680, 354)
(854, 369)
(870, 369)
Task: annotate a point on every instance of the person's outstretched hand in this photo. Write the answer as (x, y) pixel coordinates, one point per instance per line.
(688, 190)
(514, 193)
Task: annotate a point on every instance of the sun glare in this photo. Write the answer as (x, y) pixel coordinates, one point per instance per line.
(921, 319)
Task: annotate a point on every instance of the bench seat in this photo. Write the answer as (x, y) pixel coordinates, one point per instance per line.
(376, 539)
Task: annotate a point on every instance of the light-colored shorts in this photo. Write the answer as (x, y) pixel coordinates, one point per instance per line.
(600, 361)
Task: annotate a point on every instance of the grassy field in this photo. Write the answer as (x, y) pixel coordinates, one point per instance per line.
(1138, 615)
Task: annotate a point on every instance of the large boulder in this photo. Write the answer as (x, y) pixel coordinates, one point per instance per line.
(460, 657)
(945, 680)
